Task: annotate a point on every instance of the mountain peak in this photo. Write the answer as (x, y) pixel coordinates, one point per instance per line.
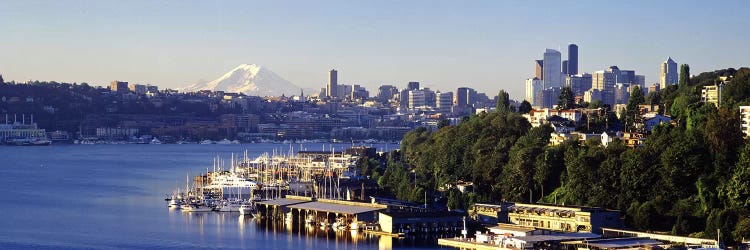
(250, 79)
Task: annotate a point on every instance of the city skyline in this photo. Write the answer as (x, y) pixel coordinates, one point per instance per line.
(444, 45)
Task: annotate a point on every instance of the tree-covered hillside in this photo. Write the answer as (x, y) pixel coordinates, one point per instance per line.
(691, 178)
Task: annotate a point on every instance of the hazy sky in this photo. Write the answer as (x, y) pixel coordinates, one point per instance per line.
(487, 45)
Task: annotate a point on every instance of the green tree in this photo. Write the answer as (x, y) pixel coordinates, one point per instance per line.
(632, 111)
(524, 107)
(503, 101)
(596, 104)
(684, 80)
(736, 190)
(742, 229)
(566, 100)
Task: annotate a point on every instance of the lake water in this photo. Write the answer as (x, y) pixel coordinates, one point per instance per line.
(112, 197)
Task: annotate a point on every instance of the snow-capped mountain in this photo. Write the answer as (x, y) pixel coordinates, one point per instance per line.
(249, 79)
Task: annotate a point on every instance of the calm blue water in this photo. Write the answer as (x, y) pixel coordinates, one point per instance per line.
(111, 197)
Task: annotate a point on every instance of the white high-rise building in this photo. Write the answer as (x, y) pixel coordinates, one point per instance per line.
(416, 99)
(534, 88)
(745, 120)
(668, 73)
(552, 69)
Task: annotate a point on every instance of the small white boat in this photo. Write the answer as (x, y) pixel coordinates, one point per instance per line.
(155, 141)
(195, 208)
(228, 206)
(224, 142)
(207, 142)
(174, 203)
(246, 209)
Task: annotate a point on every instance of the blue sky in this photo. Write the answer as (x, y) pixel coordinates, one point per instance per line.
(488, 45)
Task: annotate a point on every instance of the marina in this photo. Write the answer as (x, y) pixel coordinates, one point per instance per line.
(90, 197)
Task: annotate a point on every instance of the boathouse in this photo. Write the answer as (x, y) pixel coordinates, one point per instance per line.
(279, 207)
(329, 211)
(420, 222)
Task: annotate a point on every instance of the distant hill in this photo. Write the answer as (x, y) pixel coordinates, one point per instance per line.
(249, 79)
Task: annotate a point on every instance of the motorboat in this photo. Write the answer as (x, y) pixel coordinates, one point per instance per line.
(228, 206)
(174, 203)
(155, 141)
(246, 209)
(195, 208)
(207, 142)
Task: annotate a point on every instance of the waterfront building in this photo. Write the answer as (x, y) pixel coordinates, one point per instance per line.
(712, 94)
(417, 221)
(668, 73)
(534, 91)
(332, 89)
(745, 120)
(565, 68)
(539, 69)
(490, 213)
(20, 130)
(572, 59)
(552, 72)
(563, 218)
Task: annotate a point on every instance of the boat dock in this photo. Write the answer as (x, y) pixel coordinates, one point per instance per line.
(319, 211)
(467, 244)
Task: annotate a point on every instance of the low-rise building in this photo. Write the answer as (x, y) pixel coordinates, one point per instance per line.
(745, 119)
(650, 121)
(633, 139)
(608, 137)
(563, 218)
(410, 222)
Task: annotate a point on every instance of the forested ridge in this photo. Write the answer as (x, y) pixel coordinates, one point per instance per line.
(690, 178)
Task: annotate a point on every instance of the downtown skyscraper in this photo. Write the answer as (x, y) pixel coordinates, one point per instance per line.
(668, 73)
(572, 68)
(332, 88)
(552, 71)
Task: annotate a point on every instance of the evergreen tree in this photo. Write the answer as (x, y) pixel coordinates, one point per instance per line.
(503, 101)
(566, 100)
(684, 76)
(632, 112)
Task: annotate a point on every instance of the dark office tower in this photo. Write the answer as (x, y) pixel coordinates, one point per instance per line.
(332, 90)
(539, 66)
(572, 59)
(413, 86)
(565, 67)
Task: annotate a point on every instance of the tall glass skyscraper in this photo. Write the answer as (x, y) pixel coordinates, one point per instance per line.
(572, 59)
(332, 90)
(552, 71)
(668, 73)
